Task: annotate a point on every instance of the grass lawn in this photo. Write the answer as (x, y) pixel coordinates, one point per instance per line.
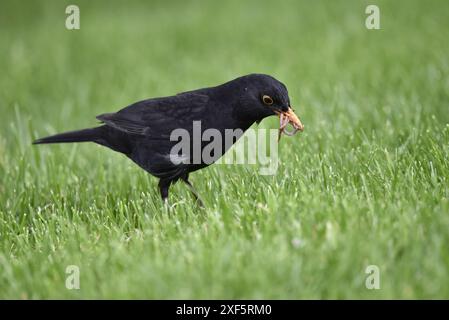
(366, 183)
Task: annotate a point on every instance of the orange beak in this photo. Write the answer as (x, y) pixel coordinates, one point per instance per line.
(287, 117)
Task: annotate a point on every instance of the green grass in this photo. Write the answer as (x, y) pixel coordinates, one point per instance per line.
(366, 183)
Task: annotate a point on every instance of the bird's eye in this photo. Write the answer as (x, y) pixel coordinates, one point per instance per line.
(267, 100)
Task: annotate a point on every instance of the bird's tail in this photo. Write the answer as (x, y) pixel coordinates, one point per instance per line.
(92, 134)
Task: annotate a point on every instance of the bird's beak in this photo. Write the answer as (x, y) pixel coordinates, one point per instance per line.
(287, 117)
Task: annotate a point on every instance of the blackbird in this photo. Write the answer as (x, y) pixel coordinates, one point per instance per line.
(142, 130)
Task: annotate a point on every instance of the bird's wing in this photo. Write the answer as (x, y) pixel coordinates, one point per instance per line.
(160, 115)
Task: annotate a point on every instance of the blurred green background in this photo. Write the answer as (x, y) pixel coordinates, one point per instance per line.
(365, 184)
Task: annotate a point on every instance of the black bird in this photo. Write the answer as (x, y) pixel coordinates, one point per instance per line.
(142, 130)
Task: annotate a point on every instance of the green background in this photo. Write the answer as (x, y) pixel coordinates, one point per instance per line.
(365, 184)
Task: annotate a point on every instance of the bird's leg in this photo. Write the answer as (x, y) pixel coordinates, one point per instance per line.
(192, 189)
(164, 185)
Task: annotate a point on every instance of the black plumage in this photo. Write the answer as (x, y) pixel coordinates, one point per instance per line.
(142, 130)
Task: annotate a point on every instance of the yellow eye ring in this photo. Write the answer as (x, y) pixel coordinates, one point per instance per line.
(267, 100)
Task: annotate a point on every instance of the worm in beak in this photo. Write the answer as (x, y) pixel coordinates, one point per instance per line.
(287, 117)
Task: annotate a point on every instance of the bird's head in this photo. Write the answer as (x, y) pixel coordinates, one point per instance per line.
(263, 96)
